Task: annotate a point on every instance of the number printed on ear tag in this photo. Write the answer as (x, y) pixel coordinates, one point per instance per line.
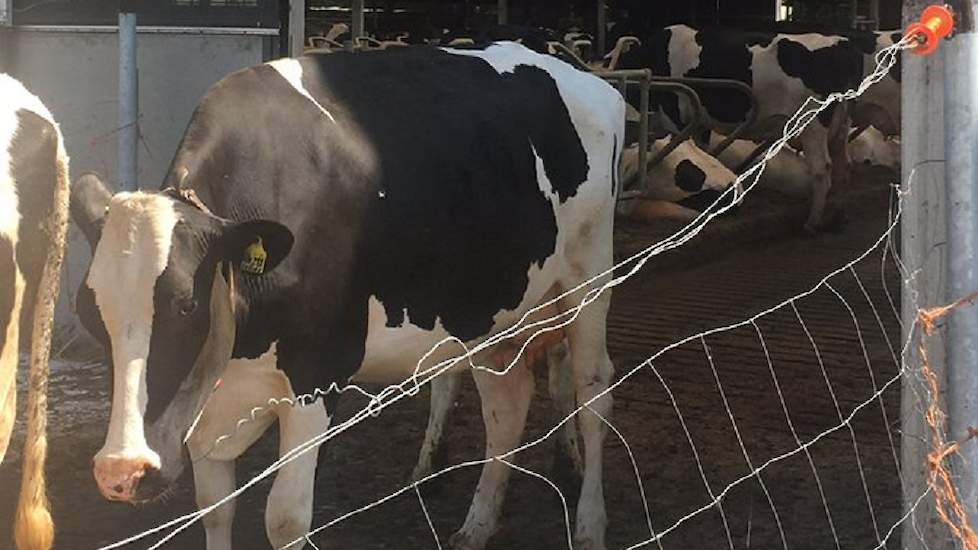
(254, 258)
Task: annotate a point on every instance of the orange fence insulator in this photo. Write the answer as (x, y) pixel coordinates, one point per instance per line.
(935, 23)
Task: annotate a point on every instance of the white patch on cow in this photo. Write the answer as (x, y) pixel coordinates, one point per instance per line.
(684, 52)
(392, 352)
(131, 254)
(786, 172)
(661, 179)
(15, 97)
(291, 71)
(872, 147)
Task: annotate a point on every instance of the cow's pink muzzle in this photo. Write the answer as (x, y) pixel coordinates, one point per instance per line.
(118, 478)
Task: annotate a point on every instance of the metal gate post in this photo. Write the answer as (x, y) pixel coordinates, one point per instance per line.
(128, 103)
(961, 183)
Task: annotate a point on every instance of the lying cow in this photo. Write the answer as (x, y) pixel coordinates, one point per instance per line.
(33, 222)
(787, 172)
(680, 186)
(782, 70)
(370, 206)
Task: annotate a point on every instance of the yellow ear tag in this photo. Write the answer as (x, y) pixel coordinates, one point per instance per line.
(254, 258)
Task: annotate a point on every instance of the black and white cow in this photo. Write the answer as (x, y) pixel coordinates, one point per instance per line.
(787, 172)
(782, 70)
(879, 106)
(367, 207)
(687, 180)
(33, 223)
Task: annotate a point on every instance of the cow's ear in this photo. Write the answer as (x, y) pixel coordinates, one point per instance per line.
(256, 247)
(89, 201)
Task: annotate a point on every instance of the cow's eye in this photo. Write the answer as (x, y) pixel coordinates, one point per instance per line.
(188, 307)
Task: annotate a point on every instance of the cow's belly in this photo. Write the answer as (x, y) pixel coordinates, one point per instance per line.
(394, 354)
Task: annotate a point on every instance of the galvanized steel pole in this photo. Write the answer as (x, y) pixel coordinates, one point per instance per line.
(356, 26)
(961, 183)
(923, 251)
(128, 103)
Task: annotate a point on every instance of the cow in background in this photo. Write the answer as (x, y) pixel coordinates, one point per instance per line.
(33, 224)
(782, 70)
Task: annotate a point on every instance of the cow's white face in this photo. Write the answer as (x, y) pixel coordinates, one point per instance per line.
(686, 172)
(158, 296)
(871, 147)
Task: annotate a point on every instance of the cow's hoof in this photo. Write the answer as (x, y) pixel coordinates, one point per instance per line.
(462, 540)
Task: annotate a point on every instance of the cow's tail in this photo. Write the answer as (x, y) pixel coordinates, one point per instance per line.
(33, 527)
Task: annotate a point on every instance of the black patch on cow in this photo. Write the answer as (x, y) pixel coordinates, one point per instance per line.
(865, 42)
(443, 227)
(823, 70)
(652, 53)
(708, 198)
(461, 233)
(33, 167)
(181, 308)
(724, 55)
(689, 177)
(701, 201)
(8, 271)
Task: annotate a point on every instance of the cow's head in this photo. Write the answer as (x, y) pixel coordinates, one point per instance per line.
(160, 295)
(871, 148)
(687, 175)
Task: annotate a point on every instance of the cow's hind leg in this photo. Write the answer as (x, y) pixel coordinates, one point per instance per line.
(593, 371)
(505, 402)
(214, 480)
(288, 513)
(444, 391)
(560, 378)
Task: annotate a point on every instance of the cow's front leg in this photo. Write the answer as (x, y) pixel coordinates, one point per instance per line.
(214, 480)
(505, 402)
(444, 391)
(288, 513)
(815, 149)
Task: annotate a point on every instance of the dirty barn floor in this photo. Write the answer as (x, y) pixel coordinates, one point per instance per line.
(712, 287)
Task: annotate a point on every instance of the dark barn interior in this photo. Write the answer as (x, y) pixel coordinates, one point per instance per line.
(386, 18)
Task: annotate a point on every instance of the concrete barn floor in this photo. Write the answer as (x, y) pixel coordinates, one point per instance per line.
(739, 266)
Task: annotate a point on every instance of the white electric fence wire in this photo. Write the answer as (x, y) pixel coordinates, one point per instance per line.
(869, 365)
(794, 433)
(696, 455)
(743, 448)
(638, 474)
(560, 494)
(835, 400)
(427, 517)
(392, 394)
